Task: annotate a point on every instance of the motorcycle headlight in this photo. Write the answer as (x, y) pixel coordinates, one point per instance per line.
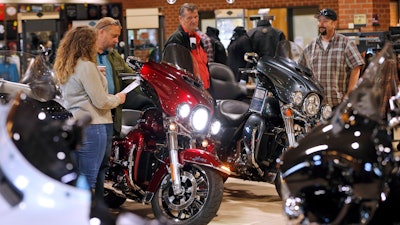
(311, 104)
(297, 97)
(199, 118)
(215, 127)
(183, 110)
(326, 112)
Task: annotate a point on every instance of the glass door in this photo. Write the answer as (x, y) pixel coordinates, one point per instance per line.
(37, 33)
(226, 20)
(144, 43)
(145, 33)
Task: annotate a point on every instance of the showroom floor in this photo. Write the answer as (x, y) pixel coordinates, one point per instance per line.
(244, 203)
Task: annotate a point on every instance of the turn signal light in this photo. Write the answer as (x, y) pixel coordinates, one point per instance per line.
(288, 113)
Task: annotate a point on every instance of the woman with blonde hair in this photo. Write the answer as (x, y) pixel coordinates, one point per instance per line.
(85, 92)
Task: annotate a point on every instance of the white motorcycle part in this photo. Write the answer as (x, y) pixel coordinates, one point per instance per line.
(45, 200)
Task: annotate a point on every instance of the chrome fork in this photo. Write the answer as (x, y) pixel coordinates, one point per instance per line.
(174, 165)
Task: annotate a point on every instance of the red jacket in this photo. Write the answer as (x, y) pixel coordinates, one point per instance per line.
(202, 60)
(181, 37)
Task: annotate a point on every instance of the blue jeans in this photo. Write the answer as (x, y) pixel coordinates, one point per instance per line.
(91, 154)
(105, 164)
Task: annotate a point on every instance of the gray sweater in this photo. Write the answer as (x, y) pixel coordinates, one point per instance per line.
(86, 92)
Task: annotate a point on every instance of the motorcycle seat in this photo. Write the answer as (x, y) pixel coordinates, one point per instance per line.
(232, 111)
(224, 84)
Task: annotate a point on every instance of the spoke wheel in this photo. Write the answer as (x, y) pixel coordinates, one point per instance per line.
(199, 201)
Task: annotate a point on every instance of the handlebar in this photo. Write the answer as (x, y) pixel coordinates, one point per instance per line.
(248, 71)
(251, 57)
(129, 76)
(134, 63)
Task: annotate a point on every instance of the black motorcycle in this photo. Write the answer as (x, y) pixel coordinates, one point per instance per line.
(286, 104)
(345, 171)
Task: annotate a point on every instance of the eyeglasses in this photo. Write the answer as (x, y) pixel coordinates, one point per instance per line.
(115, 22)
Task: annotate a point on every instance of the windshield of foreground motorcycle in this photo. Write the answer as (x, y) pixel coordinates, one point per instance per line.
(26, 68)
(181, 58)
(376, 85)
(39, 138)
(289, 50)
(14, 64)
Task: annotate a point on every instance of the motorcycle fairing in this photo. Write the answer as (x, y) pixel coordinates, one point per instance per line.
(268, 107)
(288, 77)
(44, 199)
(323, 163)
(360, 133)
(35, 78)
(169, 96)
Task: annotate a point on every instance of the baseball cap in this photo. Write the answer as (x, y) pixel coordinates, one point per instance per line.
(328, 13)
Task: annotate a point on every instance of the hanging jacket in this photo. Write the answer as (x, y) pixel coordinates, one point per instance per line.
(264, 38)
(239, 45)
(219, 49)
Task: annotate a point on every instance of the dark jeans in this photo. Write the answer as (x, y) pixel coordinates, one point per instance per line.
(105, 164)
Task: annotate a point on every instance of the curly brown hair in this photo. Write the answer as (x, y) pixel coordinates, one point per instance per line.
(78, 43)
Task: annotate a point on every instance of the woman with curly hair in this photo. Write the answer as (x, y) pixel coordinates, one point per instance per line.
(84, 90)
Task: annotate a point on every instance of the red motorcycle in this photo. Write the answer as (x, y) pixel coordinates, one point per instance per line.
(164, 157)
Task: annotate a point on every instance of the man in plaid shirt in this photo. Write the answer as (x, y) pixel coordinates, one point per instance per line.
(333, 58)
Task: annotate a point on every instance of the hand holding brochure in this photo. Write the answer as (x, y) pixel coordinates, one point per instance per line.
(131, 86)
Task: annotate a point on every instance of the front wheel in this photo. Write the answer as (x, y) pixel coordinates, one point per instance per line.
(199, 202)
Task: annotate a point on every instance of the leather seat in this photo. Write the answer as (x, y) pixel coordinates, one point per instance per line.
(224, 84)
(232, 111)
(231, 97)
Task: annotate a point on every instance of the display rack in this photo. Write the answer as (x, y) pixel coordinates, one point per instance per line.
(368, 41)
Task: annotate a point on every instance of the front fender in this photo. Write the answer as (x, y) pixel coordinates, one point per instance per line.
(201, 157)
(195, 156)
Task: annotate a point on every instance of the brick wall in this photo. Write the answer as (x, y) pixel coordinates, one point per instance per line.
(381, 8)
(345, 9)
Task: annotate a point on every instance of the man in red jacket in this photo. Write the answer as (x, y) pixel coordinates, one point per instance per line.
(187, 36)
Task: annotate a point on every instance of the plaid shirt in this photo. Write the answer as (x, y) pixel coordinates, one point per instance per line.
(390, 82)
(332, 67)
(207, 45)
